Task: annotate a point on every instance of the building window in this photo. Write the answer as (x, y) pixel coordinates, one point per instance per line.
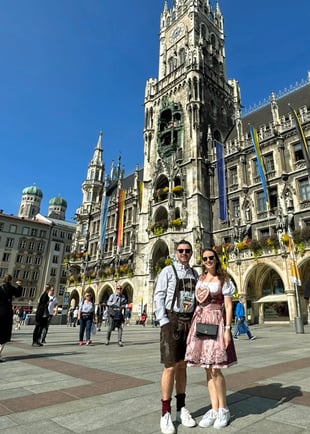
(38, 260)
(304, 189)
(6, 257)
(264, 233)
(13, 229)
(22, 244)
(26, 274)
(55, 259)
(62, 234)
(69, 236)
(269, 162)
(31, 245)
(9, 242)
(19, 259)
(32, 292)
(57, 247)
(35, 275)
(233, 176)
(3, 272)
(40, 247)
(28, 259)
(273, 198)
(298, 152)
(261, 203)
(42, 233)
(1, 227)
(235, 208)
(33, 232)
(53, 271)
(256, 174)
(16, 274)
(25, 230)
(55, 233)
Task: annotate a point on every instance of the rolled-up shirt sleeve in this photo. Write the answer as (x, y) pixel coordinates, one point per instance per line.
(160, 296)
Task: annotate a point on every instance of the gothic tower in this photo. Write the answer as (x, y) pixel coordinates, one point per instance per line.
(92, 189)
(190, 105)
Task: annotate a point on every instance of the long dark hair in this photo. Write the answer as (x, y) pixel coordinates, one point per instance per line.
(220, 272)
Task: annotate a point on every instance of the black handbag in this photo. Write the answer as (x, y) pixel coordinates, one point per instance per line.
(206, 330)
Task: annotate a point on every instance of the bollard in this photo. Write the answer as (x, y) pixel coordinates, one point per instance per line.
(299, 324)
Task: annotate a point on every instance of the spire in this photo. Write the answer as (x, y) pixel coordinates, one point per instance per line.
(97, 157)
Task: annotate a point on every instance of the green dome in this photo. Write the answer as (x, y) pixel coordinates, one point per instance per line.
(58, 201)
(33, 190)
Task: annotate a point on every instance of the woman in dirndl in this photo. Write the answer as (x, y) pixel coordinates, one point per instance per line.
(213, 293)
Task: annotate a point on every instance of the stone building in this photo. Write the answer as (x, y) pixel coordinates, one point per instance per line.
(127, 226)
(32, 246)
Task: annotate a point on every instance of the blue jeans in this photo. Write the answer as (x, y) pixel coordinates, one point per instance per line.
(242, 328)
(85, 324)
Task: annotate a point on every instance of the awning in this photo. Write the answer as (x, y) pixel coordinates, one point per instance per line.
(273, 298)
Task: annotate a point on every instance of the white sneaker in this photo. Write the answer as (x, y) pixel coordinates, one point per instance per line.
(223, 417)
(166, 424)
(185, 418)
(208, 419)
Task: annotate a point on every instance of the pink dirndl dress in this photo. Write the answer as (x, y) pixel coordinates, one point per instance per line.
(207, 352)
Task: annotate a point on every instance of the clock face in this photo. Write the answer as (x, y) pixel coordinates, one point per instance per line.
(176, 33)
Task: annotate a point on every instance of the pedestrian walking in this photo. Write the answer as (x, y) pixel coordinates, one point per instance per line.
(241, 323)
(86, 317)
(17, 320)
(210, 344)
(75, 316)
(7, 292)
(116, 315)
(41, 317)
(52, 311)
(174, 300)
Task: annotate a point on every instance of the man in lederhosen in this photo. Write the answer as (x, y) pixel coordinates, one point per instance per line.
(174, 299)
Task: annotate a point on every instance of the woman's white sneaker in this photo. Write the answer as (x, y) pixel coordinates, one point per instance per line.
(208, 419)
(223, 418)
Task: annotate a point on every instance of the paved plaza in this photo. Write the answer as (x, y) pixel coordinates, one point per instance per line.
(65, 388)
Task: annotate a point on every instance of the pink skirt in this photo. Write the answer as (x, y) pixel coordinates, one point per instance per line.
(208, 352)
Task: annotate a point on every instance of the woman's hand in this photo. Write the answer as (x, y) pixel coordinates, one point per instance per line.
(227, 337)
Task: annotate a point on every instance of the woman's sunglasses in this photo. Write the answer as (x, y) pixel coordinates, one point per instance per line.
(208, 258)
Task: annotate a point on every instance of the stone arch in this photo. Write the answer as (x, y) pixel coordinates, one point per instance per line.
(160, 253)
(74, 298)
(262, 280)
(127, 290)
(104, 293)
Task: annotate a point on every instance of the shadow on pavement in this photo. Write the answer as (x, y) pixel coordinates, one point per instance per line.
(267, 393)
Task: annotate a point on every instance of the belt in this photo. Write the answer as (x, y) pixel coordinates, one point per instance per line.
(181, 314)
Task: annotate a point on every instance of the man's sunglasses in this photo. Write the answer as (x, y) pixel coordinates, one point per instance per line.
(208, 258)
(184, 251)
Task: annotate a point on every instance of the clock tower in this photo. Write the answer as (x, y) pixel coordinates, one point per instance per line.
(189, 106)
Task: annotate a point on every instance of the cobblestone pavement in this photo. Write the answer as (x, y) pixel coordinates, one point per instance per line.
(64, 388)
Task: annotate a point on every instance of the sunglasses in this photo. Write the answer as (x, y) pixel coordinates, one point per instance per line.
(208, 258)
(184, 251)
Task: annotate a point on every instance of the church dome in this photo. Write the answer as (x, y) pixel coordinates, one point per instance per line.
(58, 201)
(34, 190)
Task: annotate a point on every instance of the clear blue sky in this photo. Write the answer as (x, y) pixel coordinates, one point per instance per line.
(70, 68)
